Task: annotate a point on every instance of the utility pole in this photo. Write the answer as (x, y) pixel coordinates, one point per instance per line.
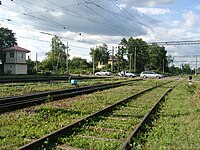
(135, 61)
(118, 49)
(53, 49)
(67, 58)
(36, 68)
(196, 66)
(163, 65)
(93, 61)
(130, 65)
(112, 59)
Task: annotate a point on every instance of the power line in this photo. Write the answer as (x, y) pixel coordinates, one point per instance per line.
(115, 15)
(50, 42)
(105, 25)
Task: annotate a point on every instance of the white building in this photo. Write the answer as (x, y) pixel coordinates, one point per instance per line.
(15, 62)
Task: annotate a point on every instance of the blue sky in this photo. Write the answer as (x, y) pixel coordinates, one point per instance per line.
(101, 21)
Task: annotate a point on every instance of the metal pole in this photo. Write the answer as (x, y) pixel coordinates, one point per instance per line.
(163, 65)
(53, 49)
(67, 58)
(135, 61)
(16, 59)
(93, 61)
(112, 58)
(36, 68)
(130, 58)
(118, 59)
(196, 67)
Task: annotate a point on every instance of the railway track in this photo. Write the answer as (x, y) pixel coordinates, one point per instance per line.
(113, 127)
(22, 101)
(45, 78)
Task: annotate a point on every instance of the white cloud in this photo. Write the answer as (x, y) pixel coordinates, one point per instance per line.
(197, 7)
(146, 2)
(176, 23)
(90, 24)
(192, 20)
(56, 13)
(154, 11)
(98, 22)
(100, 17)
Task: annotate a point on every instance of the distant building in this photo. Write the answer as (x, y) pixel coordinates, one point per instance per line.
(15, 62)
(111, 59)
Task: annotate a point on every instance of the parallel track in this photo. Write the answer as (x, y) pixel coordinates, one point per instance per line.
(70, 129)
(44, 78)
(18, 102)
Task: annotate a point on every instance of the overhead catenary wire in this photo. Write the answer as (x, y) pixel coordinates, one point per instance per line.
(103, 18)
(109, 25)
(116, 15)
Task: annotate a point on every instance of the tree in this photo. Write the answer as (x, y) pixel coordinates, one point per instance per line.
(100, 54)
(120, 54)
(157, 58)
(30, 66)
(136, 50)
(56, 57)
(78, 63)
(144, 57)
(7, 39)
(186, 69)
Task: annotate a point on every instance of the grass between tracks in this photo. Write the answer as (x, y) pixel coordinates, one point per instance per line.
(179, 121)
(109, 132)
(11, 89)
(20, 127)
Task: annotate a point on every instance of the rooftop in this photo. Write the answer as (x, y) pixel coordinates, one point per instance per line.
(15, 48)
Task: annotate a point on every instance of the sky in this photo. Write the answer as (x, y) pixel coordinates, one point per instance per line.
(85, 24)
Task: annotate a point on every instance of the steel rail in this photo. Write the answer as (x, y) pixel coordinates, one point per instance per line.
(68, 130)
(128, 142)
(22, 101)
(43, 79)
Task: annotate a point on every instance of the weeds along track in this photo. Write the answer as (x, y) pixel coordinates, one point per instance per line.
(44, 78)
(17, 102)
(113, 127)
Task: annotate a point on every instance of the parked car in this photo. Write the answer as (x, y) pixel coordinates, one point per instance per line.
(103, 73)
(150, 74)
(127, 74)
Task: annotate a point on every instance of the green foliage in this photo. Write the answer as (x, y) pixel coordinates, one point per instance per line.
(100, 54)
(78, 63)
(157, 58)
(190, 88)
(175, 70)
(7, 38)
(186, 69)
(81, 71)
(148, 57)
(56, 56)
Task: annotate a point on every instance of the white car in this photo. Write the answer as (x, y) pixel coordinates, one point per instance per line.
(150, 74)
(126, 74)
(103, 73)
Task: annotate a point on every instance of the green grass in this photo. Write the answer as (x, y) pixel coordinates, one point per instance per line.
(179, 122)
(22, 126)
(9, 90)
(119, 124)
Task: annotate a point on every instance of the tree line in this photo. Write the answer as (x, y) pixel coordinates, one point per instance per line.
(132, 54)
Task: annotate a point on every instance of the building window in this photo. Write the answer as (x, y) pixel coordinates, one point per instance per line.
(12, 55)
(21, 55)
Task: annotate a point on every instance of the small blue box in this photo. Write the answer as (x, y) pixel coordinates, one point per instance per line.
(74, 82)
